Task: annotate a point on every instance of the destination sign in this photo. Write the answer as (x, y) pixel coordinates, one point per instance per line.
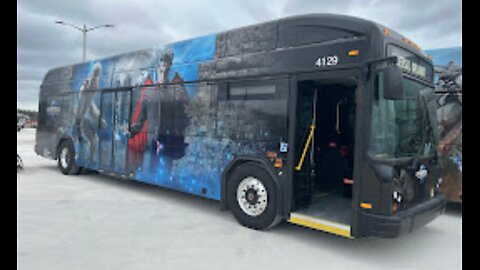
(411, 63)
(411, 67)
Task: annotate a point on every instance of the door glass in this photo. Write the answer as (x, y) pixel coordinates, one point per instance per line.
(105, 130)
(121, 119)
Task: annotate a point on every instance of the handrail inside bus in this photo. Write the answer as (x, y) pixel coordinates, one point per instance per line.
(305, 148)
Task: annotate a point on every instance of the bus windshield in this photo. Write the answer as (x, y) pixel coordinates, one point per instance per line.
(405, 127)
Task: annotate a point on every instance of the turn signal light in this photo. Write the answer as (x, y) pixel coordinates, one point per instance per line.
(366, 205)
(271, 155)
(353, 53)
(394, 207)
(278, 163)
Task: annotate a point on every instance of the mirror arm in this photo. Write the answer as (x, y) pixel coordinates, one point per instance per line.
(371, 64)
(386, 60)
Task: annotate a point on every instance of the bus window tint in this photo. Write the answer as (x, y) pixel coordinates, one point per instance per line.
(252, 92)
(253, 111)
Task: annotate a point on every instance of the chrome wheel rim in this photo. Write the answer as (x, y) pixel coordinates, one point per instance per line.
(64, 156)
(252, 196)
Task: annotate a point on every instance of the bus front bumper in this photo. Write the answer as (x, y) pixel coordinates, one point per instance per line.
(403, 222)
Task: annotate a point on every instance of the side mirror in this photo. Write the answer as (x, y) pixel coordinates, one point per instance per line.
(392, 83)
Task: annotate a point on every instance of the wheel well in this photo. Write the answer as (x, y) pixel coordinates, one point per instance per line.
(235, 165)
(57, 149)
(238, 162)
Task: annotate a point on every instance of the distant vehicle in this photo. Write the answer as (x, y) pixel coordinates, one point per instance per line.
(325, 121)
(21, 120)
(31, 124)
(19, 159)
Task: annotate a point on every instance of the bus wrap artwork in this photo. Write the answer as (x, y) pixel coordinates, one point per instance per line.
(292, 119)
(168, 145)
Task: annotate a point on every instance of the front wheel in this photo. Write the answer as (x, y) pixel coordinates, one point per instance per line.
(66, 158)
(252, 196)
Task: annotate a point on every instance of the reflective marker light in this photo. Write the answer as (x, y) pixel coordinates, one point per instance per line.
(353, 53)
(271, 154)
(394, 207)
(366, 205)
(278, 163)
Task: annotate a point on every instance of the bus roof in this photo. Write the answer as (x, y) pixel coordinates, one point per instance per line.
(327, 20)
(288, 32)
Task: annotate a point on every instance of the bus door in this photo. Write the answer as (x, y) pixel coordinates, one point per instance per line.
(324, 151)
(115, 111)
(105, 132)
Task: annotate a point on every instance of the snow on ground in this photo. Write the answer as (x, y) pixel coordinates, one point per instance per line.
(92, 221)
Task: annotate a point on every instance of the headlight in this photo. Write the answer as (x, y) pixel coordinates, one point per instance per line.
(397, 196)
(439, 183)
(397, 201)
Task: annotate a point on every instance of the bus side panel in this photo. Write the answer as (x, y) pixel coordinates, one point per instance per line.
(121, 118)
(88, 80)
(209, 130)
(55, 120)
(172, 126)
(86, 129)
(48, 111)
(188, 133)
(178, 148)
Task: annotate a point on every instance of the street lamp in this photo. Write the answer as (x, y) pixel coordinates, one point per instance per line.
(84, 30)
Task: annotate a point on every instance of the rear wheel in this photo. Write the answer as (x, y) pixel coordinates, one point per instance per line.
(66, 158)
(252, 196)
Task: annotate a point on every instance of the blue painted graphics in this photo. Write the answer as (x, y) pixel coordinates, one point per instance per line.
(145, 115)
(151, 115)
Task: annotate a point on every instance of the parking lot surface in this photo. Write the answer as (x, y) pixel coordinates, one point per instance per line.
(92, 221)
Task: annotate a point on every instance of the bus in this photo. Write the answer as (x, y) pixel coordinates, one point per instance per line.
(321, 120)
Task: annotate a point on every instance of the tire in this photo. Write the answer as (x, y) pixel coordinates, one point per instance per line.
(249, 186)
(66, 158)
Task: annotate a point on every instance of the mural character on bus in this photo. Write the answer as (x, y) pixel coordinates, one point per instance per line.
(88, 113)
(157, 125)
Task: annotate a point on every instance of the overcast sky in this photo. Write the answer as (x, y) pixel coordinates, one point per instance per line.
(141, 24)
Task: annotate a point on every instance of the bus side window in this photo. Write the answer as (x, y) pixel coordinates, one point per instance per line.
(225, 112)
(253, 110)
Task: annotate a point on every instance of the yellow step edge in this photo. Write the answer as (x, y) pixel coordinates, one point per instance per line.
(319, 224)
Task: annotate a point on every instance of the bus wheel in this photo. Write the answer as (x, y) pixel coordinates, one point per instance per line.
(251, 196)
(66, 158)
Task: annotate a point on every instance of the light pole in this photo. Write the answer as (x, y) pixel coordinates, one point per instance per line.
(84, 30)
